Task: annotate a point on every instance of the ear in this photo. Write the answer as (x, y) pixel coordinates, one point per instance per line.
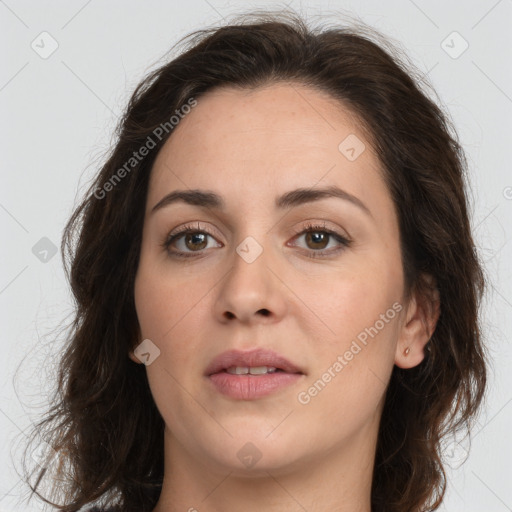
(421, 316)
(131, 353)
(134, 358)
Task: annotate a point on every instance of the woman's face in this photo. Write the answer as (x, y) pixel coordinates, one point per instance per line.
(253, 277)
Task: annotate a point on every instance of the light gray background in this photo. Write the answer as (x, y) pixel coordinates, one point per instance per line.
(57, 118)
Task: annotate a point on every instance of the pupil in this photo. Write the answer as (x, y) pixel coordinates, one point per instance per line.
(317, 238)
(194, 238)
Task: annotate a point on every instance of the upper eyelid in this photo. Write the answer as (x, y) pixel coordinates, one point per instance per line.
(189, 228)
(319, 225)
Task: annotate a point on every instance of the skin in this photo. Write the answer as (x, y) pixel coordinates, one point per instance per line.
(249, 147)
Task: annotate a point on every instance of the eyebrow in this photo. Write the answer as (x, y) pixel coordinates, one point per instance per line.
(293, 198)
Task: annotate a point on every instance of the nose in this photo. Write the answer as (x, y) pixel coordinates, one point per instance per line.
(251, 291)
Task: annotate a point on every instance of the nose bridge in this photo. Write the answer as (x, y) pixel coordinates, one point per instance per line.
(250, 261)
(250, 285)
(253, 245)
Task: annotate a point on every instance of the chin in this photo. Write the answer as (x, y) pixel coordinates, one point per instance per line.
(251, 453)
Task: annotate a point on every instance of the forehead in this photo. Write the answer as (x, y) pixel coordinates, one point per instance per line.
(275, 137)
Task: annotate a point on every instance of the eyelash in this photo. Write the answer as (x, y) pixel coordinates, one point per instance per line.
(188, 229)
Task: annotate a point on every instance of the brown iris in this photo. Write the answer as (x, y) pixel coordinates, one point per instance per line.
(317, 237)
(195, 239)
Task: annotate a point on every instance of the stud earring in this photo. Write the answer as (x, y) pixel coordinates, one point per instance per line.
(406, 351)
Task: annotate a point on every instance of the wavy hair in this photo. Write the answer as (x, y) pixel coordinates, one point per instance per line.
(104, 425)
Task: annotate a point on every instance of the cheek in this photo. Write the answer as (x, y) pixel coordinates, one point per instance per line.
(353, 366)
(171, 308)
(163, 301)
(347, 303)
(167, 313)
(359, 313)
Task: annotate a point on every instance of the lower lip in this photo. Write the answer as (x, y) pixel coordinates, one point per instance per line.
(252, 387)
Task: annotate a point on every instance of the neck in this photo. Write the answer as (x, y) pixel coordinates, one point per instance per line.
(339, 480)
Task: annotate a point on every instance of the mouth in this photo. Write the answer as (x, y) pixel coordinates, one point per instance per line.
(252, 370)
(253, 362)
(251, 375)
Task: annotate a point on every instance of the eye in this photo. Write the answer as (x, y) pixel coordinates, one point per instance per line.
(318, 237)
(189, 239)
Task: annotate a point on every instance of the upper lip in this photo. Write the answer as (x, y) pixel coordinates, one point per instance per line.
(255, 357)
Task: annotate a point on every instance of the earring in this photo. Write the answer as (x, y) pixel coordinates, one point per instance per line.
(406, 351)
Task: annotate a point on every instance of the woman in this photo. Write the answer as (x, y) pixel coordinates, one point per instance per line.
(276, 283)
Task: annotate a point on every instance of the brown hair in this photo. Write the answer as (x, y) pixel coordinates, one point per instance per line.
(104, 423)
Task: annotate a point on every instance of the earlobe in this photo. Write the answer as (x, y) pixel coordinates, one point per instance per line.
(134, 358)
(420, 322)
(411, 356)
(131, 353)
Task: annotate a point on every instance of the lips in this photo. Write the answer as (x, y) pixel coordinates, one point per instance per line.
(252, 358)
